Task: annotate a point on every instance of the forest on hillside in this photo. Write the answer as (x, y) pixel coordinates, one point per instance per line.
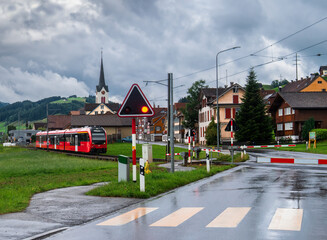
(32, 111)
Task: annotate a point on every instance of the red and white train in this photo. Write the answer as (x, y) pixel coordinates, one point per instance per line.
(86, 140)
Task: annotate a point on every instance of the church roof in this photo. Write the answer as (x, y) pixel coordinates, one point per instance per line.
(102, 83)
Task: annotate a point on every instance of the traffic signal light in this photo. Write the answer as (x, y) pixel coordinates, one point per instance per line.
(135, 104)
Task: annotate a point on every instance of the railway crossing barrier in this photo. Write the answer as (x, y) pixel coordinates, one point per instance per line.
(311, 161)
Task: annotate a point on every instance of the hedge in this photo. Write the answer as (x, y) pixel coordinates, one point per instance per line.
(320, 133)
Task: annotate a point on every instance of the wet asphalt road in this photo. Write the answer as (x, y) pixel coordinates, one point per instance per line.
(262, 191)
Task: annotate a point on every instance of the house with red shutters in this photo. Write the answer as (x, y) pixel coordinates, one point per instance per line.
(229, 102)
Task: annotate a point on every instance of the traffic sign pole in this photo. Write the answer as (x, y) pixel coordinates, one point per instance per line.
(134, 148)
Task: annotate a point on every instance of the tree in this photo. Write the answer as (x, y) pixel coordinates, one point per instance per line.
(253, 122)
(191, 112)
(307, 127)
(183, 100)
(211, 133)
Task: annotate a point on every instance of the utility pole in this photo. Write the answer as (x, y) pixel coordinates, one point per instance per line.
(168, 116)
(171, 113)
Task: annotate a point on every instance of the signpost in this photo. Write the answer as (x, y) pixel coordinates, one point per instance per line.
(312, 137)
(135, 105)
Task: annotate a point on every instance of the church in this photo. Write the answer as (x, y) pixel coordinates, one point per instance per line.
(102, 104)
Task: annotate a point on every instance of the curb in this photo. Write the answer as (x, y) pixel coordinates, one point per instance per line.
(308, 161)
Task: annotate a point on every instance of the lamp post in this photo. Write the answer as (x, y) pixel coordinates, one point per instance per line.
(217, 90)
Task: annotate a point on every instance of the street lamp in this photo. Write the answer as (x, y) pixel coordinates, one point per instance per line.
(217, 90)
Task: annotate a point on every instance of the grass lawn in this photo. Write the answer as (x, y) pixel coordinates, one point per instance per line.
(126, 149)
(156, 182)
(321, 148)
(25, 172)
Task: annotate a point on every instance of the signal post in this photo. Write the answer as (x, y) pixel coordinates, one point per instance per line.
(135, 105)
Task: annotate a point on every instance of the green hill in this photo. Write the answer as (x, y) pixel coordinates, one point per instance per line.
(28, 111)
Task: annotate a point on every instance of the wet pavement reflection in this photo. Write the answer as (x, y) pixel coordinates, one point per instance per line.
(267, 203)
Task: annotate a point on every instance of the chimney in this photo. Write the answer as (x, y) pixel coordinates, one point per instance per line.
(226, 86)
(231, 83)
(312, 76)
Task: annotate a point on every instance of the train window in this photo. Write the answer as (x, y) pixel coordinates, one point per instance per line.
(98, 136)
(62, 138)
(83, 137)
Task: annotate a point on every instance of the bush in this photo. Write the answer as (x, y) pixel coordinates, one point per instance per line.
(321, 134)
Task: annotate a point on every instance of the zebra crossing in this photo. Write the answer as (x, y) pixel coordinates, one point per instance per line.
(285, 219)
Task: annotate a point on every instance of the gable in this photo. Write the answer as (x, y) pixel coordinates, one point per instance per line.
(317, 85)
(101, 109)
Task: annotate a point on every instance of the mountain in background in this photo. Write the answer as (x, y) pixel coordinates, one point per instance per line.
(2, 104)
(28, 111)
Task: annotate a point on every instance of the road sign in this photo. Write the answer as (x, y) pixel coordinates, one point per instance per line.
(135, 104)
(228, 127)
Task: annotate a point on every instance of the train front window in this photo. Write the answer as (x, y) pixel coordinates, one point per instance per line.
(98, 136)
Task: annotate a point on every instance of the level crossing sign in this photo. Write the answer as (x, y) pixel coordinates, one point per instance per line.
(229, 128)
(135, 104)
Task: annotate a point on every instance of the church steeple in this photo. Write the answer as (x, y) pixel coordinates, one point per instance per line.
(102, 91)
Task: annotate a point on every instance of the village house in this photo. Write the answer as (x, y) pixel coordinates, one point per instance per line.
(297, 102)
(291, 109)
(229, 101)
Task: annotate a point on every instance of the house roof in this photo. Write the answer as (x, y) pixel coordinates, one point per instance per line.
(58, 121)
(296, 86)
(179, 106)
(210, 93)
(91, 106)
(323, 68)
(301, 100)
(105, 120)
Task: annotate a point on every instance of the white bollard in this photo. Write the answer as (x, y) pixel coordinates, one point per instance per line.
(207, 160)
(142, 179)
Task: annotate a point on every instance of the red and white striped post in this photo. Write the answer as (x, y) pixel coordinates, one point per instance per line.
(189, 146)
(134, 148)
(231, 133)
(193, 147)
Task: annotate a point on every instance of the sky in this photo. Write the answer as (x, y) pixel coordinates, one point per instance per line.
(53, 47)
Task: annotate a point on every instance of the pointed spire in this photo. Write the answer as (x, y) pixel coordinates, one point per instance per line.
(102, 83)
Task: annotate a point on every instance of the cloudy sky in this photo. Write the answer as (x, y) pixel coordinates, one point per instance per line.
(53, 47)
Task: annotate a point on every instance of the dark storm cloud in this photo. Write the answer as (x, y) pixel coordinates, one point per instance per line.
(144, 40)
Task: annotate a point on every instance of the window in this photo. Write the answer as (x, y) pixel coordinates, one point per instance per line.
(280, 112)
(102, 107)
(227, 113)
(280, 127)
(288, 111)
(288, 126)
(293, 111)
(319, 82)
(235, 99)
(235, 89)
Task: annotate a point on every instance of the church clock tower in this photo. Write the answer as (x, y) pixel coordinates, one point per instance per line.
(102, 92)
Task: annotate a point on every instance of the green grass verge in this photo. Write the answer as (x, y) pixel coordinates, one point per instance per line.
(156, 182)
(321, 148)
(24, 173)
(158, 152)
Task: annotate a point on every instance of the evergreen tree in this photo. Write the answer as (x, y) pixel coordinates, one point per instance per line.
(307, 127)
(254, 125)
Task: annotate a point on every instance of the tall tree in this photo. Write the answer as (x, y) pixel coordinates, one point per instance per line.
(253, 122)
(191, 112)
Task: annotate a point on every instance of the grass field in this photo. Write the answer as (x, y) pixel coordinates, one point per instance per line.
(25, 172)
(321, 148)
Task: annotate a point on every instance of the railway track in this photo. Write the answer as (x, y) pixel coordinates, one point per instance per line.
(90, 156)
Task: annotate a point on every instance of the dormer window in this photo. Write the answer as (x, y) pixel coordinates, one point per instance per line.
(235, 89)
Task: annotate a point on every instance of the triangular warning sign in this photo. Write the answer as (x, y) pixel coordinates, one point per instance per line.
(135, 104)
(229, 126)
